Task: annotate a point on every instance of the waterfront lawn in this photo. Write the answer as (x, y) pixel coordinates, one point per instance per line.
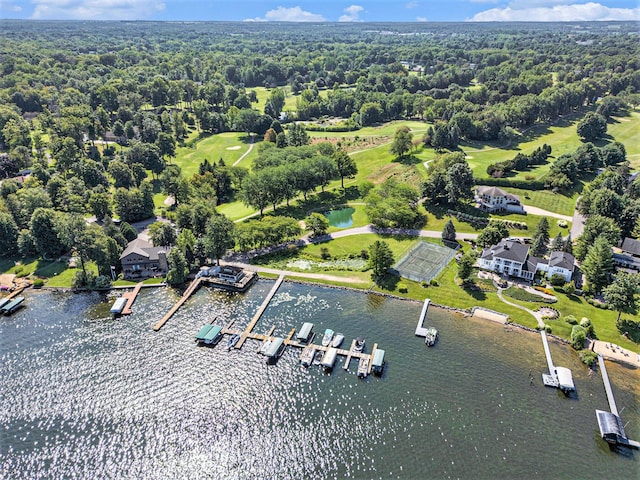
(58, 275)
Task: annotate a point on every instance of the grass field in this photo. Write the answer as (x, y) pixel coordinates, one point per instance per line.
(229, 146)
(562, 138)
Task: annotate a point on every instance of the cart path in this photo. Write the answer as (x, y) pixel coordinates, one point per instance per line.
(245, 153)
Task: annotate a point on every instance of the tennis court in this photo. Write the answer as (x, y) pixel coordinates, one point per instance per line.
(424, 262)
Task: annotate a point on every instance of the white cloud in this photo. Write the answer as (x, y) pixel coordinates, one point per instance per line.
(351, 14)
(422, 19)
(8, 6)
(293, 14)
(96, 9)
(411, 5)
(559, 13)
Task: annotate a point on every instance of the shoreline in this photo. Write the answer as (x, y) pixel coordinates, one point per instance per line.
(604, 348)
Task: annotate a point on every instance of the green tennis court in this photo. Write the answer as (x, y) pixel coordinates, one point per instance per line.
(424, 262)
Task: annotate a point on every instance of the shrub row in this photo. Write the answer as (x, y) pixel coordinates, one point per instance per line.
(483, 221)
(511, 182)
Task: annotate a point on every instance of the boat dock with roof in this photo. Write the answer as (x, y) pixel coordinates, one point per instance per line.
(558, 377)
(12, 306)
(610, 423)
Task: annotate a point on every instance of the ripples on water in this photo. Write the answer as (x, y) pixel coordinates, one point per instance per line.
(85, 396)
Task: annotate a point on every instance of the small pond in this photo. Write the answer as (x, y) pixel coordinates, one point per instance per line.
(342, 218)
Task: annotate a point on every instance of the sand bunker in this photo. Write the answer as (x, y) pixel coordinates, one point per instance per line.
(237, 147)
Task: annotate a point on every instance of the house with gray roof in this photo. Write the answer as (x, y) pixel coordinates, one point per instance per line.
(142, 260)
(508, 257)
(559, 263)
(511, 257)
(494, 199)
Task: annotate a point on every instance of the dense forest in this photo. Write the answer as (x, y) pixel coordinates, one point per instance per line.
(148, 87)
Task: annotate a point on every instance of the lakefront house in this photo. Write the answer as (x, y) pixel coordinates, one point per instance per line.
(511, 257)
(142, 260)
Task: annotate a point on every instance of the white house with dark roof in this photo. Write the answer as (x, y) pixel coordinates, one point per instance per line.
(494, 199)
(141, 260)
(510, 257)
(559, 263)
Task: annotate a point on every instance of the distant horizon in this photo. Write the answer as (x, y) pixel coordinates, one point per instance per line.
(329, 11)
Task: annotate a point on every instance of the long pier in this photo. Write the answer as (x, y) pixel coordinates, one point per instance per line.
(607, 386)
(185, 296)
(244, 334)
(547, 352)
(420, 330)
(131, 297)
(610, 424)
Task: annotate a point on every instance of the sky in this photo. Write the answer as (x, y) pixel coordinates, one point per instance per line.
(324, 11)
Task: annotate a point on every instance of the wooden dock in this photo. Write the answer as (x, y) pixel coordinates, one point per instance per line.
(547, 352)
(607, 386)
(420, 330)
(131, 297)
(263, 307)
(185, 296)
(347, 360)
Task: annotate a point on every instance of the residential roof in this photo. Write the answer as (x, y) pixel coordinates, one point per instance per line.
(143, 248)
(491, 191)
(631, 245)
(508, 250)
(562, 260)
(532, 263)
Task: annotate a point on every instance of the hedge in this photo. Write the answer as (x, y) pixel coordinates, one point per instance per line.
(511, 182)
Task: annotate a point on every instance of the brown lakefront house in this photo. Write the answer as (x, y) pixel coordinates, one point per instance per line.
(142, 260)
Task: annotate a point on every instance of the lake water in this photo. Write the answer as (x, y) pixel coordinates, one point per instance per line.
(86, 396)
(340, 218)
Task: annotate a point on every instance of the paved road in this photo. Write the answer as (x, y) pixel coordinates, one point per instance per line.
(577, 227)
(275, 271)
(368, 229)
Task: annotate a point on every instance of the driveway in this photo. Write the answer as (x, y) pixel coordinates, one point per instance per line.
(546, 213)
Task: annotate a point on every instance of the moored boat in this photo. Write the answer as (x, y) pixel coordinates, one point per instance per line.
(337, 340)
(431, 337)
(363, 367)
(328, 336)
(359, 346)
(306, 357)
(233, 340)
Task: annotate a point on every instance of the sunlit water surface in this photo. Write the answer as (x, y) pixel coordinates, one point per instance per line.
(86, 396)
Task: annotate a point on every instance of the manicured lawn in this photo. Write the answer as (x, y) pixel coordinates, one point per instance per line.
(547, 200)
(228, 146)
(385, 130)
(58, 275)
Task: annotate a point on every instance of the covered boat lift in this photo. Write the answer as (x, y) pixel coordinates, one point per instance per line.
(202, 333)
(377, 364)
(329, 358)
(213, 335)
(274, 349)
(118, 306)
(305, 332)
(12, 306)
